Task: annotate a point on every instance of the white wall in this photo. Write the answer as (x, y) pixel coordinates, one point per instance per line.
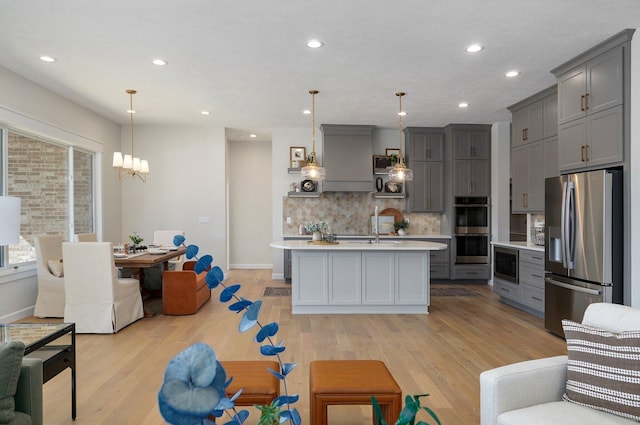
(250, 205)
(26, 106)
(186, 186)
(281, 140)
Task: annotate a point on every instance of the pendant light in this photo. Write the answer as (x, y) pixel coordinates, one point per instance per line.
(130, 165)
(399, 172)
(313, 171)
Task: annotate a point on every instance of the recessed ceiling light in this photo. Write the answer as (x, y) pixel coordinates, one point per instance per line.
(47, 59)
(205, 113)
(512, 74)
(159, 62)
(253, 136)
(315, 44)
(463, 105)
(474, 48)
(306, 112)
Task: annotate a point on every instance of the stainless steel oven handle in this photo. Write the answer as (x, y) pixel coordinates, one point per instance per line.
(573, 287)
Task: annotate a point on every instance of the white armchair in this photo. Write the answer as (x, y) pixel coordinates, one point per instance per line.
(85, 237)
(50, 298)
(530, 392)
(96, 300)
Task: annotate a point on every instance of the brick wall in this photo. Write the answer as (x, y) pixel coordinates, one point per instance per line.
(37, 173)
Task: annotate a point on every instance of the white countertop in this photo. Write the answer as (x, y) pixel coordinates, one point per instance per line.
(383, 245)
(394, 237)
(520, 245)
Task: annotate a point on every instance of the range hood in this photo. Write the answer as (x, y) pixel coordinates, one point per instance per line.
(347, 155)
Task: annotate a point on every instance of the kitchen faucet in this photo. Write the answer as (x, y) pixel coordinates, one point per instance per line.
(377, 226)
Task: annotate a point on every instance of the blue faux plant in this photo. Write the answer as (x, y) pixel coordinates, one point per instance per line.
(195, 382)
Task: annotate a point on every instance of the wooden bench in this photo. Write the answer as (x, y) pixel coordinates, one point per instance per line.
(352, 382)
(184, 291)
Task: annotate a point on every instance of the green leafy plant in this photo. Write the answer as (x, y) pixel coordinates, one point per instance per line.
(317, 227)
(270, 414)
(404, 225)
(136, 238)
(412, 407)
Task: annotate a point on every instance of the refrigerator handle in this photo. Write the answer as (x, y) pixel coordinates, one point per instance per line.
(572, 287)
(567, 225)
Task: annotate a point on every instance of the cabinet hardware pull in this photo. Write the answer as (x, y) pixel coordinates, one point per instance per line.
(524, 200)
(538, 276)
(582, 153)
(536, 258)
(526, 134)
(586, 102)
(586, 150)
(537, 299)
(582, 103)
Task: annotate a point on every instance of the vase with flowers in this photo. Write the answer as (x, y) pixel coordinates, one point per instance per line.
(136, 240)
(195, 381)
(317, 230)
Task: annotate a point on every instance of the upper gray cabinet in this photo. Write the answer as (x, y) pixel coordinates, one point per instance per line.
(593, 106)
(424, 148)
(471, 145)
(534, 149)
(346, 155)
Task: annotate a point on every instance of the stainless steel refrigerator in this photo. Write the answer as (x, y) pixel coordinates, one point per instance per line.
(584, 244)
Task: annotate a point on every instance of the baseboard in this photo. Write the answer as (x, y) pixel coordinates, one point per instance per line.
(250, 266)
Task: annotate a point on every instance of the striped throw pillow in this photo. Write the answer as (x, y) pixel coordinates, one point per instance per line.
(603, 370)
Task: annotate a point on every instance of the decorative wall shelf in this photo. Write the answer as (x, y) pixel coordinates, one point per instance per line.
(303, 194)
(389, 195)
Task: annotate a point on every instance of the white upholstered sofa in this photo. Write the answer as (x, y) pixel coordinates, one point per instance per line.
(531, 392)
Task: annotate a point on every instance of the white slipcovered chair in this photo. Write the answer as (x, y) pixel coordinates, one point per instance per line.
(85, 237)
(50, 299)
(531, 392)
(96, 300)
(164, 238)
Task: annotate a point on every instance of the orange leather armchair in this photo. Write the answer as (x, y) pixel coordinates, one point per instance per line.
(184, 291)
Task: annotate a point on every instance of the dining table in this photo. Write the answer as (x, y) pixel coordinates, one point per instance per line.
(139, 261)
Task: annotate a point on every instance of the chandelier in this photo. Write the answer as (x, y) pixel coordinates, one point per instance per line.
(399, 172)
(313, 171)
(130, 165)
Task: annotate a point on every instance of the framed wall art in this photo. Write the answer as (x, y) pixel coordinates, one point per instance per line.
(392, 152)
(296, 155)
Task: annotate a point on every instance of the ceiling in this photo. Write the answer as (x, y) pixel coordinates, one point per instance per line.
(246, 61)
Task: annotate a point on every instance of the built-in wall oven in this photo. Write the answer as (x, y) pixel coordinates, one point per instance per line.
(472, 230)
(505, 263)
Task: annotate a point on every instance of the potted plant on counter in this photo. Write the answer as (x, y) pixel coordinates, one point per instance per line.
(401, 227)
(317, 229)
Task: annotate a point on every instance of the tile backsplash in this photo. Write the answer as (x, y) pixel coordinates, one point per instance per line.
(350, 213)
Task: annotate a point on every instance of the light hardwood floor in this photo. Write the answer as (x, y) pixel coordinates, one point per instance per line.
(441, 353)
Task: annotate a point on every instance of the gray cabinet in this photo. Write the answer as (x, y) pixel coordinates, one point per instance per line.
(425, 192)
(526, 124)
(471, 144)
(471, 177)
(593, 89)
(439, 265)
(595, 140)
(425, 156)
(527, 177)
(534, 149)
(528, 293)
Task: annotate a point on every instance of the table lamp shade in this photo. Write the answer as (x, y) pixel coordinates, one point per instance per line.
(10, 221)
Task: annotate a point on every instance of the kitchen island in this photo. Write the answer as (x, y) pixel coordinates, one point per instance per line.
(388, 277)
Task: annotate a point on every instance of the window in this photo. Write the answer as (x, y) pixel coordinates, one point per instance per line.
(54, 201)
